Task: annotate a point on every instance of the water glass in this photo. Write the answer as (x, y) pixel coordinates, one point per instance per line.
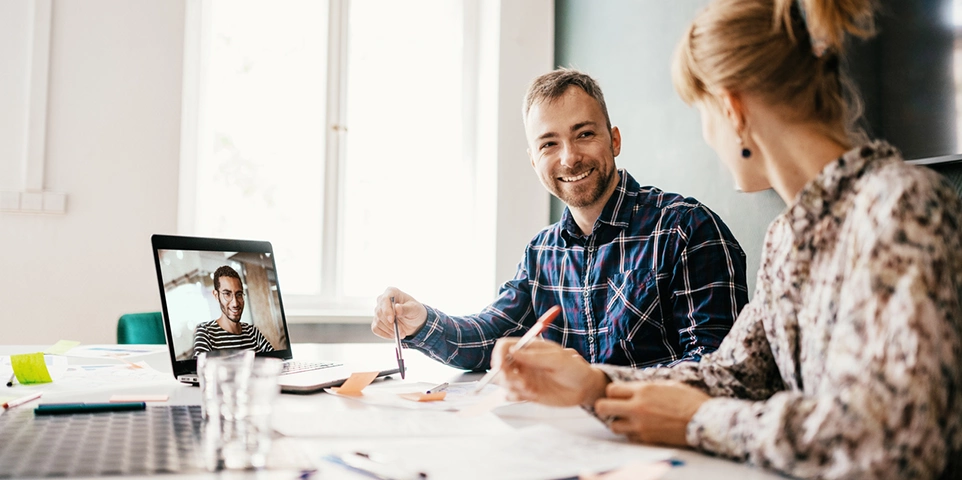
(239, 391)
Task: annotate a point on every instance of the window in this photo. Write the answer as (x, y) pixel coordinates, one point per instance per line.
(342, 132)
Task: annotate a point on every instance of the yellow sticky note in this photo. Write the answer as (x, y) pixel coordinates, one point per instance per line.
(61, 347)
(30, 368)
(356, 383)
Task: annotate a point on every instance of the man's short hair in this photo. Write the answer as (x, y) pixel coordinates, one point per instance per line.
(224, 271)
(553, 85)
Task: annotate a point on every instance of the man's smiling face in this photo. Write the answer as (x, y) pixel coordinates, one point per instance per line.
(572, 150)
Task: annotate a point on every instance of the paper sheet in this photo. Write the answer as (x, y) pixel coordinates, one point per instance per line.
(634, 471)
(459, 396)
(311, 421)
(114, 351)
(87, 378)
(530, 453)
(61, 347)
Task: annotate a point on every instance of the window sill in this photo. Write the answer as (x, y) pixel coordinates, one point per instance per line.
(328, 317)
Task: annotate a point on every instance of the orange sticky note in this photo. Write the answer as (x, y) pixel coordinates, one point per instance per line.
(423, 397)
(30, 368)
(355, 383)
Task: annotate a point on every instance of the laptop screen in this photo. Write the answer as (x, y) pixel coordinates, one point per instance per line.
(219, 294)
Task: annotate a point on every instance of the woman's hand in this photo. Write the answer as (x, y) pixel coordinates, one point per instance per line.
(654, 412)
(544, 372)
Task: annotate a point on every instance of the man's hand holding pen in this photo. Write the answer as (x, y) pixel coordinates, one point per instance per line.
(410, 314)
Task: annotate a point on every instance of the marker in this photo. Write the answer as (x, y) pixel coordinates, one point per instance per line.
(527, 338)
(21, 400)
(69, 408)
(13, 376)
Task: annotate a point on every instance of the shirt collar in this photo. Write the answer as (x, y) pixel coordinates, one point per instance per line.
(617, 212)
(817, 197)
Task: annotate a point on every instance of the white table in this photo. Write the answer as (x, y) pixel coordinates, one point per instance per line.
(420, 368)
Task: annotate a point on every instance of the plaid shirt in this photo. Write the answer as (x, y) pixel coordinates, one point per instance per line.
(659, 280)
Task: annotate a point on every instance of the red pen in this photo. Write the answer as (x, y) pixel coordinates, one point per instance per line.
(536, 330)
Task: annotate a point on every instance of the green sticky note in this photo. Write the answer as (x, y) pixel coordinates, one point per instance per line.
(61, 347)
(30, 368)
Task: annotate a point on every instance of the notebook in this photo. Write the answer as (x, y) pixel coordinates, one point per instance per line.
(245, 311)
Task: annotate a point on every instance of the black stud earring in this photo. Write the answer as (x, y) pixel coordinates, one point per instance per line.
(746, 153)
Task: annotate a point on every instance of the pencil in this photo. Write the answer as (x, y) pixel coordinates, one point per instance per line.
(397, 338)
(21, 400)
(13, 377)
(536, 330)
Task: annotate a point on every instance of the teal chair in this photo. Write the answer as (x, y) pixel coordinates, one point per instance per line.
(143, 328)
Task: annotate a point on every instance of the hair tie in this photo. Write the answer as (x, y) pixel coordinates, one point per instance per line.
(819, 45)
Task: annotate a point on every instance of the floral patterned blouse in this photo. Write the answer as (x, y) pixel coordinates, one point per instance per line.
(847, 362)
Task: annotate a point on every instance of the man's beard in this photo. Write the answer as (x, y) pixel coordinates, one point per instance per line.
(232, 319)
(589, 194)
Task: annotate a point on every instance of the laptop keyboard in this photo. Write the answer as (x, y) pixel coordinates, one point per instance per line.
(156, 440)
(297, 367)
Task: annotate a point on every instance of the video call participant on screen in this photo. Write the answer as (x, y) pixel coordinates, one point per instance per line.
(847, 362)
(645, 277)
(227, 331)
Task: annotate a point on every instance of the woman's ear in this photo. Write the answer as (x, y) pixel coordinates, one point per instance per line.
(734, 109)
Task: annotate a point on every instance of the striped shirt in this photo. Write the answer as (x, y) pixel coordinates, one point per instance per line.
(659, 280)
(210, 336)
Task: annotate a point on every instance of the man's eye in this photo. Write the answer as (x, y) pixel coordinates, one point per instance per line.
(586, 134)
(547, 145)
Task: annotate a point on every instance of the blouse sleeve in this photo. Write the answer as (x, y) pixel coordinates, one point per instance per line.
(886, 402)
(741, 367)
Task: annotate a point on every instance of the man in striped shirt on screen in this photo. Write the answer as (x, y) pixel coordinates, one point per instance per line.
(227, 331)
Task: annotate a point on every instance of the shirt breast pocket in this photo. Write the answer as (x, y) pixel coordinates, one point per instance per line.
(633, 305)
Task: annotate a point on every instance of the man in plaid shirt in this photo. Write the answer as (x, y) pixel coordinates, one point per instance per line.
(644, 277)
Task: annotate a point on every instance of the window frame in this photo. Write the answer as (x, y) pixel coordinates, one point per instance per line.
(502, 53)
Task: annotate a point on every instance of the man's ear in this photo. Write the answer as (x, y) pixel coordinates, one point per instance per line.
(734, 109)
(615, 141)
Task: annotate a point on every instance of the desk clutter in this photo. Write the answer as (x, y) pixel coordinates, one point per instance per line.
(163, 439)
(76, 426)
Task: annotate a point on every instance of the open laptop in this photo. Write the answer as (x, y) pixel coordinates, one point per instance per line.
(248, 299)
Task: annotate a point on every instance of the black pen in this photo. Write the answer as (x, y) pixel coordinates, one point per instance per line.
(397, 338)
(69, 408)
(13, 376)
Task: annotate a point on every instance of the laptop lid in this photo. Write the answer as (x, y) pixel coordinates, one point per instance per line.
(247, 298)
(224, 294)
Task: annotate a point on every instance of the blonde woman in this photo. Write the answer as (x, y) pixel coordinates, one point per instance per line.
(846, 363)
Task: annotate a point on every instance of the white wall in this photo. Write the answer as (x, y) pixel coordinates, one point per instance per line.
(627, 46)
(112, 145)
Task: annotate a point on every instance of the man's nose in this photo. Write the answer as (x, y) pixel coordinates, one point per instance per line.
(569, 154)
